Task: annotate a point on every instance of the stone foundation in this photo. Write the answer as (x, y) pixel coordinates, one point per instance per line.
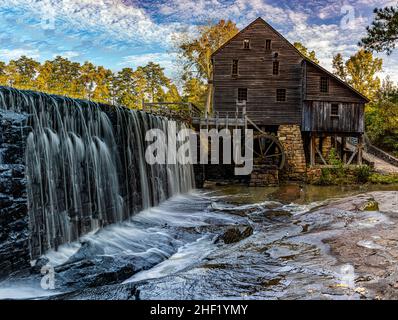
(326, 147)
(291, 139)
(264, 176)
(14, 220)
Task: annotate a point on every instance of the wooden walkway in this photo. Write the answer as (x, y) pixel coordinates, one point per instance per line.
(380, 165)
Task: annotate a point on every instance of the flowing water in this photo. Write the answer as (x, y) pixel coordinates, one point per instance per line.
(85, 164)
(110, 226)
(174, 250)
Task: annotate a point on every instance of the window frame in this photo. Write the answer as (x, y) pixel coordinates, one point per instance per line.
(279, 90)
(275, 66)
(268, 45)
(321, 84)
(235, 63)
(246, 94)
(333, 114)
(246, 41)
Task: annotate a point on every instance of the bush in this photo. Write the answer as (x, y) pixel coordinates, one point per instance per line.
(362, 173)
(378, 178)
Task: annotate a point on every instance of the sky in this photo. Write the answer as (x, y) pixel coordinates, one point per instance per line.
(130, 33)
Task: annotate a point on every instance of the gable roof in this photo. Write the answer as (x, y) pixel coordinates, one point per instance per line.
(295, 49)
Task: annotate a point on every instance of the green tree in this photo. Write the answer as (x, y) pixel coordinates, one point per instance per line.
(156, 81)
(129, 87)
(360, 71)
(23, 72)
(304, 51)
(382, 34)
(172, 94)
(195, 54)
(63, 77)
(195, 91)
(3, 78)
(339, 67)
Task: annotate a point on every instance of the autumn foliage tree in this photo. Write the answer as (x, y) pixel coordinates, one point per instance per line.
(360, 71)
(61, 76)
(305, 52)
(195, 54)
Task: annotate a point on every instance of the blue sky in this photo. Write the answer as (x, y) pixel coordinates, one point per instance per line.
(128, 33)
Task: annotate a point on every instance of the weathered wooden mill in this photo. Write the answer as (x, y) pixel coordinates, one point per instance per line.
(297, 109)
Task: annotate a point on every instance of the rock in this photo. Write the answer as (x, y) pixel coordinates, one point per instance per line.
(371, 205)
(233, 235)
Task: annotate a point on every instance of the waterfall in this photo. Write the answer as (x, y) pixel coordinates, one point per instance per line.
(85, 166)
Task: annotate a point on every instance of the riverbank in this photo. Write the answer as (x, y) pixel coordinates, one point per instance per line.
(295, 242)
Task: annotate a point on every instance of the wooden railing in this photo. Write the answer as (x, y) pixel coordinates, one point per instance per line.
(183, 111)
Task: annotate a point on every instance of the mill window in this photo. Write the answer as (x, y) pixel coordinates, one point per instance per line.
(246, 44)
(235, 66)
(334, 110)
(242, 94)
(268, 45)
(275, 68)
(324, 84)
(281, 95)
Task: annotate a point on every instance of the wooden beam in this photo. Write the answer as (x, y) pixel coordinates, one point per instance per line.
(320, 154)
(360, 149)
(312, 149)
(342, 149)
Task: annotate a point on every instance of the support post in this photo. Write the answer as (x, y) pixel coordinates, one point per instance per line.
(360, 149)
(343, 155)
(312, 149)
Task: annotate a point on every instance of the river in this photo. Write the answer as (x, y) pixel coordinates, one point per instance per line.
(297, 248)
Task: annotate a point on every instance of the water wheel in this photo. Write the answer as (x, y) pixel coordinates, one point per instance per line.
(267, 150)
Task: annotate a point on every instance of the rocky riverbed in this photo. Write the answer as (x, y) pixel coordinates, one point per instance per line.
(224, 244)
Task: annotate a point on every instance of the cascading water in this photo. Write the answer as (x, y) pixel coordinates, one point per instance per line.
(86, 168)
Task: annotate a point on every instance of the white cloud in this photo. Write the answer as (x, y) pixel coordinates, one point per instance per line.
(67, 54)
(12, 54)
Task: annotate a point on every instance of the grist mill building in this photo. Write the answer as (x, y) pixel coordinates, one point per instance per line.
(287, 96)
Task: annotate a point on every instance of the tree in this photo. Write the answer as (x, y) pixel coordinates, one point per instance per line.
(360, 71)
(23, 72)
(129, 88)
(172, 94)
(3, 78)
(63, 77)
(382, 34)
(195, 91)
(195, 54)
(155, 81)
(304, 51)
(339, 67)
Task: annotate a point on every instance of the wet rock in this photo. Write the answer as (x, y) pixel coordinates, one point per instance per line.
(371, 205)
(233, 235)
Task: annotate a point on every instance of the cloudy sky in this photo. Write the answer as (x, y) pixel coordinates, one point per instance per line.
(120, 33)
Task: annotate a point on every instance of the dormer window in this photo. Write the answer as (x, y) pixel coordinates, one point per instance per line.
(246, 44)
(268, 45)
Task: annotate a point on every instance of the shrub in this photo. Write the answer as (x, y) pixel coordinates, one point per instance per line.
(362, 173)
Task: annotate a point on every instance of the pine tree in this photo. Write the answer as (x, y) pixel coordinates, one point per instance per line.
(382, 34)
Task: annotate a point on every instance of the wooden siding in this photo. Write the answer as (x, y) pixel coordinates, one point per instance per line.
(255, 74)
(317, 117)
(337, 90)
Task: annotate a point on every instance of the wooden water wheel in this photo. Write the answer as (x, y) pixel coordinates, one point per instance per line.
(268, 150)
